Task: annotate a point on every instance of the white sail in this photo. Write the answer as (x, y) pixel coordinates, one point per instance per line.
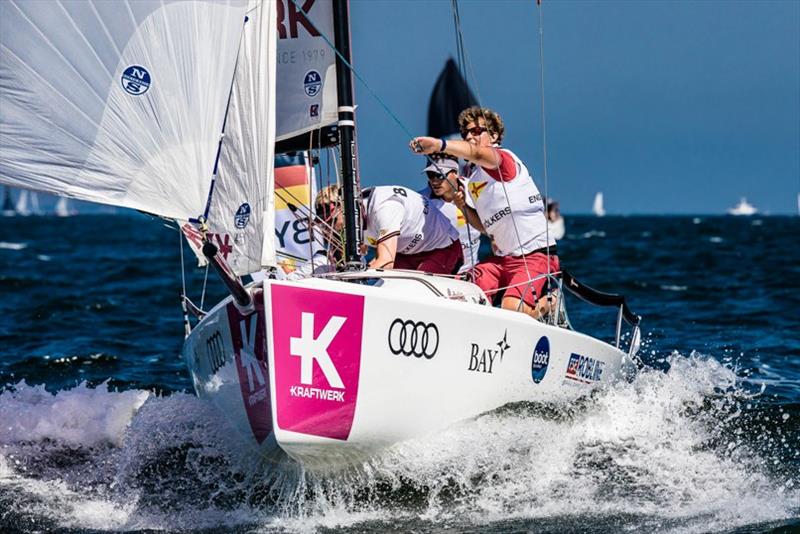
(306, 68)
(22, 206)
(62, 208)
(120, 103)
(597, 207)
(242, 203)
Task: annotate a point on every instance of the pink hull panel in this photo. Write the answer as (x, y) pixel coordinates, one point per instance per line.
(318, 340)
(249, 347)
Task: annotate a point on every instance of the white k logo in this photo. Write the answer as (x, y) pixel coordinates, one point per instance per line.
(248, 353)
(310, 349)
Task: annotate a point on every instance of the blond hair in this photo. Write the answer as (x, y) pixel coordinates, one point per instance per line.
(492, 121)
(330, 194)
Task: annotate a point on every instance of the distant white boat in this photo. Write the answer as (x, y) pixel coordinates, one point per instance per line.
(597, 207)
(62, 208)
(23, 207)
(743, 208)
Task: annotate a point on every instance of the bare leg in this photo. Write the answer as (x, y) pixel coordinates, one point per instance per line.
(539, 310)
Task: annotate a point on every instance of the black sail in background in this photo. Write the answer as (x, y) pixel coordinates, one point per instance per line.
(450, 96)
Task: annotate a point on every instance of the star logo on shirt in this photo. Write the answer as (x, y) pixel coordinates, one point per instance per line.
(476, 188)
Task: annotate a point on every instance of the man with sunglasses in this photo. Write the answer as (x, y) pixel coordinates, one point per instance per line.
(405, 230)
(507, 207)
(443, 184)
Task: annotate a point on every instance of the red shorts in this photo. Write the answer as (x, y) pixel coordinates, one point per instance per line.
(503, 271)
(447, 260)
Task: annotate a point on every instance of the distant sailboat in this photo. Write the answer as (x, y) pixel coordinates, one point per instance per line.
(62, 208)
(743, 208)
(8, 203)
(597, 207)
(23, 207)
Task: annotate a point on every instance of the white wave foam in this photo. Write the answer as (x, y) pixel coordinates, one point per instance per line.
(80, 416)
(674, 288)
(653, 448)
(12, 246)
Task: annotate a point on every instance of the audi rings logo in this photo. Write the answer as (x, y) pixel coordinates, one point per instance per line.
(411, 338)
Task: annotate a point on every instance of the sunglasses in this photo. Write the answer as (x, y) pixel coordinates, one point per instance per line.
(475, 131)
(433, 175)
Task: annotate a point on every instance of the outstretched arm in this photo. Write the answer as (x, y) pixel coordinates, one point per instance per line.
(485, 156)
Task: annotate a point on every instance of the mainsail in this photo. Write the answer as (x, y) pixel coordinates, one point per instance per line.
(451, 94)
(120, 103)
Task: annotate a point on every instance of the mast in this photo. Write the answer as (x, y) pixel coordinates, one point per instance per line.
(351, 188)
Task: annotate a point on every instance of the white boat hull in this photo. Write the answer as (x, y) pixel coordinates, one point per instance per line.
(350, 368)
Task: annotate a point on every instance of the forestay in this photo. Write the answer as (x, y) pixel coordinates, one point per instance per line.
(120, 103)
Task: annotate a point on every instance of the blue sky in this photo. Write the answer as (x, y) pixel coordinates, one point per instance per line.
(666, 107)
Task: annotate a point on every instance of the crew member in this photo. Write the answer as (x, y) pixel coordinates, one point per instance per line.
(443, 182)
(405, 230)
(507, 206)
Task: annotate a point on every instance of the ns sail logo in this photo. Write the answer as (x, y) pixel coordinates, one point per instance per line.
(136, 80)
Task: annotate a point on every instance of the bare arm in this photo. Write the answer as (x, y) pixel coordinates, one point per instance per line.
(471, 215)
(384, 257)
(484, 156)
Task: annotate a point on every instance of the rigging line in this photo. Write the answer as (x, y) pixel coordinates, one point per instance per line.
(183, 264)
(353, 70)
(205, 282)
(465, 66)
(461, 53)
(544, 130)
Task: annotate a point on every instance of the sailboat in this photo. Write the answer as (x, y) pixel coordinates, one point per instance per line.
(451, 94)
(62, 208)
(743, 208)
(324, 369)
(8, 203)
(23, 203)
(597, 205)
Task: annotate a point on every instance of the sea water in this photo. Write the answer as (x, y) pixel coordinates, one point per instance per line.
(99, 429)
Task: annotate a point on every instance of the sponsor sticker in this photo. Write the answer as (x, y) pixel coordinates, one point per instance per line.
(136, 80)
(413, 338)
(484, 359)
(313, 110)
(249, 348)
(317, 359)
(584, 369)
(540, 359)
(312, 83)
(242, 216)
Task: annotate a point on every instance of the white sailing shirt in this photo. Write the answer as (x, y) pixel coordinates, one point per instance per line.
(398, 211)
(470, 237)
(496, 201)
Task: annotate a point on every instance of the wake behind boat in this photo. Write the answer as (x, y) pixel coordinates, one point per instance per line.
(324, 369)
